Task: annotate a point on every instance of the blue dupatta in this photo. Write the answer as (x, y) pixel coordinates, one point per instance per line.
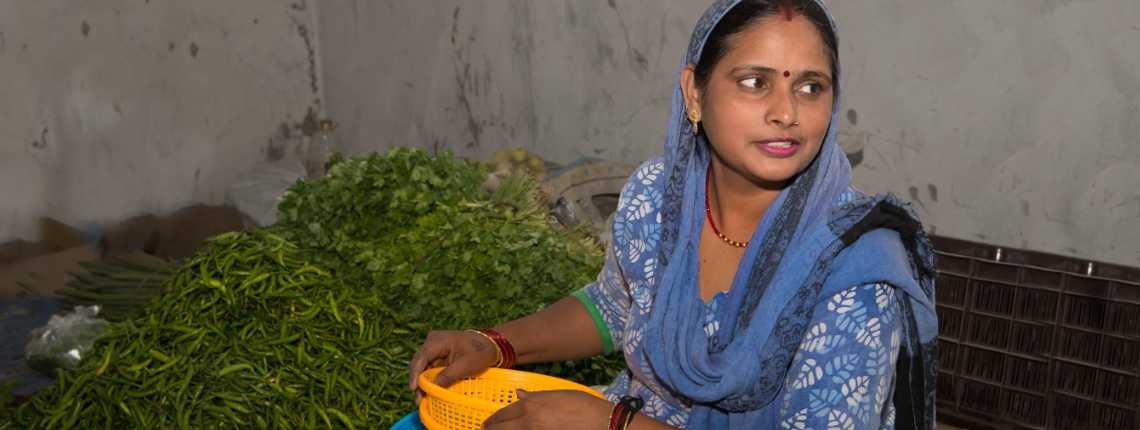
(805, 249)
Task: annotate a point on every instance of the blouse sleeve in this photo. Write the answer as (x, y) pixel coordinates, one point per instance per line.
(842, 377)
(608, 301)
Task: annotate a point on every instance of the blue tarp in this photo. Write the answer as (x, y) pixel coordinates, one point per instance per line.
(18, 317)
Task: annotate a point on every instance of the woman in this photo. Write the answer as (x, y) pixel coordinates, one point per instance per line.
(823, 319)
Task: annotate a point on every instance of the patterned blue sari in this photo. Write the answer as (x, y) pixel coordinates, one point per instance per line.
(830, 320)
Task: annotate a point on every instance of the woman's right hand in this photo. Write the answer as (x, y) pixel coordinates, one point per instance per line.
(460, 353)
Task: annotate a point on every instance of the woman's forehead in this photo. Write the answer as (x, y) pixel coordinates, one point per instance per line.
(778, 43)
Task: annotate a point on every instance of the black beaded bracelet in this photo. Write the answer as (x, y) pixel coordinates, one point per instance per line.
(631, 406)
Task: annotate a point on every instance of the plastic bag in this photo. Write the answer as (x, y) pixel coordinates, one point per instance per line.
(65, 340)
(257, 192)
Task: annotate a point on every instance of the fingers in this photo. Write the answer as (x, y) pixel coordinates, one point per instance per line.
(456, 370)
(432, 350)
(460, 355)
(506, 417)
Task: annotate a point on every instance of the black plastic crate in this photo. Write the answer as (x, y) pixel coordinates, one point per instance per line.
(951, 290)
(1031, 339)
(1071, 413)
(1036, 305)
(1026, 408)
(1120, 353)
(1036, 341)
(949, 322)
(1078, 345)
(993, 297)
(977, 396)
(1026, 374)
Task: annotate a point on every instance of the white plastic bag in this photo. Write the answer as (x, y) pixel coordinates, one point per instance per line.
(65, 340)
(257, 192)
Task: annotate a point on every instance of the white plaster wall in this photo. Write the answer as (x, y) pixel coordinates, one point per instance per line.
(567, 78)
(112, 108)
(1009, 122)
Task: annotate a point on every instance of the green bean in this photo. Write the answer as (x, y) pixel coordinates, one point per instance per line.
(106, 361)
(233, 368)
(284, 340)
(343, 419)
(332, 305)
(159, 356)
(235, 406)
(168, 365)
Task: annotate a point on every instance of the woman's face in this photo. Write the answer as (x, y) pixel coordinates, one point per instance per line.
(767, 104)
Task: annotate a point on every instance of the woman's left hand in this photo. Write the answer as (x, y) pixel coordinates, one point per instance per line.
(542, 410)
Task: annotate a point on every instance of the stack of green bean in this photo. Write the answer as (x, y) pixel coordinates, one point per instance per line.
(120, 285)
(311, 323)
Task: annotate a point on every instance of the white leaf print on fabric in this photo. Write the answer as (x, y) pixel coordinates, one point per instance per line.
(650, 269)
(837, 420)
(643, 299)
(868, 335)
(843, 302)
(809, 373)
(883, 294)
(797, 421)
(636, 248)
(852, 319)
(643, 204)
(881, 393)
(855, 390)
(878, 362)
(818, 341)
(625, 197)
(677, 420)
(621, 230)
(654, 406)
(632, 341)
(820, 401)
(841, 368)
(814, 332)
(650, 173)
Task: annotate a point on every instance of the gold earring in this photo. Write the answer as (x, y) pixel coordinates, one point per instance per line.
(695, 121)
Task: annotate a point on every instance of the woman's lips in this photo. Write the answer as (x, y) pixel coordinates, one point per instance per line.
(779, 148)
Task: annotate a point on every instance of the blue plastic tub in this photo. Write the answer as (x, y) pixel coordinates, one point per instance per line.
(409, 422)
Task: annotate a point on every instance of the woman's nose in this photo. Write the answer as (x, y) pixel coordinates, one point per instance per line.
(782, 112)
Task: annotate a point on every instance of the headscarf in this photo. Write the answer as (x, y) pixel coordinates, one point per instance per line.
(802, 251)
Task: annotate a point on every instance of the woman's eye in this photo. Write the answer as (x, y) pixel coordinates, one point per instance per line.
(810, 88)
(752, 82)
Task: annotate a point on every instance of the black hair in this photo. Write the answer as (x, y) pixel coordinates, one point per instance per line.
(747, 13)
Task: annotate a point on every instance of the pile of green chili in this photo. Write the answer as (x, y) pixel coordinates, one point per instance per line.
(311, 323)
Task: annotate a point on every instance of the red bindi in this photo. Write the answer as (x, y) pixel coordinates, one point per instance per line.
(787, 74)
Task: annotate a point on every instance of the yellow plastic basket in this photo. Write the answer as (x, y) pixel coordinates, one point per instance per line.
(469, 402)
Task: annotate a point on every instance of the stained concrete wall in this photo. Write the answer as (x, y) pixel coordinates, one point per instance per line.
(117, 107)
(567, 78)
(1006, 122)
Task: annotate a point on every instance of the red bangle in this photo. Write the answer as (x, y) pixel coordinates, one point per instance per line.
(616, 416)
(505, 347)
(624, 412)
